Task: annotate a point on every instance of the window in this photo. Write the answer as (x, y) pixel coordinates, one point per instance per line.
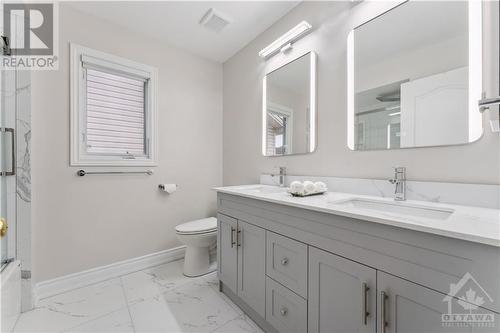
(279, 129)
(113, 110)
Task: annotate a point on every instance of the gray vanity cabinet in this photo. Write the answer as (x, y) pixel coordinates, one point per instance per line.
(227, 254)
(242, 260)
(407, 307)
(295, 270)
(342, 294)
(252, 266)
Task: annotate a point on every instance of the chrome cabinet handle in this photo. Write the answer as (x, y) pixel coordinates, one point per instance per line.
(13, 156)
(284, 261)
(232, 237)
(383, 321)
(238, 238)
(365, 313)
(284, 311)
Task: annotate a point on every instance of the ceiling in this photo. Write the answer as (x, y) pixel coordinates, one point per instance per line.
(293, 76)
(411, 26)
(177, 22)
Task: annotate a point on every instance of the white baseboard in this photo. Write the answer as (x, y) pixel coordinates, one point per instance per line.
(69, 282)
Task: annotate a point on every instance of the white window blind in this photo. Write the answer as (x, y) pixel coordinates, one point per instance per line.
(114, 116)
(115, 113)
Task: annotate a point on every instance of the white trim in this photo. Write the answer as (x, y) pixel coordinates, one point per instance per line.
(69, 282)
(350, 91)
(475, 70)
(77, 155)
(264, 116)
(312, 104)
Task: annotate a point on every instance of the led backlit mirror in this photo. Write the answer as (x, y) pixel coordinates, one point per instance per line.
(414, 77)
(289, 108)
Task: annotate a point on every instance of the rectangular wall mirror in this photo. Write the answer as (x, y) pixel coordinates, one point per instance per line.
(414, 77)
(289, 108)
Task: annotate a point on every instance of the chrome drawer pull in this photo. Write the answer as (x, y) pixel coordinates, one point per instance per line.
(284, 261)
(364, 313)
(232, 237)
(383, 321)
(284, 311)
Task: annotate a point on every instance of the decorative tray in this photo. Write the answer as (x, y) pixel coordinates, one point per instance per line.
(306, 195)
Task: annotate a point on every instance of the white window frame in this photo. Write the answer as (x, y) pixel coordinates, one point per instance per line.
(286, 112)
(79, 155)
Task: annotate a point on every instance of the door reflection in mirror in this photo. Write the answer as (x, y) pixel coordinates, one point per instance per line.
(414, 77)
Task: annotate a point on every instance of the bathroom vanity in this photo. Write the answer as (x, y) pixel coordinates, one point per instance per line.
(353, 263)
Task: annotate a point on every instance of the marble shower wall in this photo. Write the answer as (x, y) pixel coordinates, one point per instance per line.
(23, 182)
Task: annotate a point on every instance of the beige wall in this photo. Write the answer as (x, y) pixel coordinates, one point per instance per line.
(474, 163)
(80, 223)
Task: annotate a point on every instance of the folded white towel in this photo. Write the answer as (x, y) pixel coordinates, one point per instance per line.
(320, 186)
(309, 187)
(297, 187)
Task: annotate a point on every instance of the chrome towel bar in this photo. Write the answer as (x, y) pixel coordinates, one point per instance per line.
(485, 103)
(82, 173)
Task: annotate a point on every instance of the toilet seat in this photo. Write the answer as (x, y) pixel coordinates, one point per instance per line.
(197, 227)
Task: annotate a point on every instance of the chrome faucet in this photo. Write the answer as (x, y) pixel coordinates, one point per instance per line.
(282, 176)
(399, 181)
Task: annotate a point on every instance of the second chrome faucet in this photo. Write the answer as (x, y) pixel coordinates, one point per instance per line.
(399, 181)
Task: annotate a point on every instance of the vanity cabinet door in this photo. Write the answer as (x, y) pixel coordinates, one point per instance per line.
(342, 294)
(252, 266)
(407, 307)
(227, 251)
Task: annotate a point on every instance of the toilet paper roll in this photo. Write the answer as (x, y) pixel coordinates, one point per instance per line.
(169, 188)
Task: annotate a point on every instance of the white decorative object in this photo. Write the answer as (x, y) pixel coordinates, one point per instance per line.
(307, 188)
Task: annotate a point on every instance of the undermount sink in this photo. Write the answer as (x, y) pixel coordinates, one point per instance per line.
(261, 189)
(400, 208)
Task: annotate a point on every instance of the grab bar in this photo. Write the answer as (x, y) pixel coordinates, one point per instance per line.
(12, 132)
(82, 173)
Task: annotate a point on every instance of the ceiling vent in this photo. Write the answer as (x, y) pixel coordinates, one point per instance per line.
(214, 20)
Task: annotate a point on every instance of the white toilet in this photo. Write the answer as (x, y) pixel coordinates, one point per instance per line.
(198, 236)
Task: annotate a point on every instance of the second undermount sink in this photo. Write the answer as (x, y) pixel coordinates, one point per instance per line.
(399, 208)
(261, 189)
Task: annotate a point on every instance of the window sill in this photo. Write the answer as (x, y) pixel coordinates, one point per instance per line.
(114, 163)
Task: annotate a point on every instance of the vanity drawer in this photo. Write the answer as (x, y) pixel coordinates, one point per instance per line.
(286, 262)
(285, 310)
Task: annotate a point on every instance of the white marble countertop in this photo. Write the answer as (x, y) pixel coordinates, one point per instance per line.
(475, 224)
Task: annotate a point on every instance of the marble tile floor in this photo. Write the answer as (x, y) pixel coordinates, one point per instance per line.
(159, 299)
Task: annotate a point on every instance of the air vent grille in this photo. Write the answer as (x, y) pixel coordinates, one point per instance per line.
(214, 20)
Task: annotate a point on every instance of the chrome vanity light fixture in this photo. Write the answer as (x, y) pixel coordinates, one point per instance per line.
(284, 42)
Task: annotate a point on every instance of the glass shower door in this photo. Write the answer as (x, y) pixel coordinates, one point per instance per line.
(7, 166)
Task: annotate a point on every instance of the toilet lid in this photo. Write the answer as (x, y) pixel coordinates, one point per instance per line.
(198, 226)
